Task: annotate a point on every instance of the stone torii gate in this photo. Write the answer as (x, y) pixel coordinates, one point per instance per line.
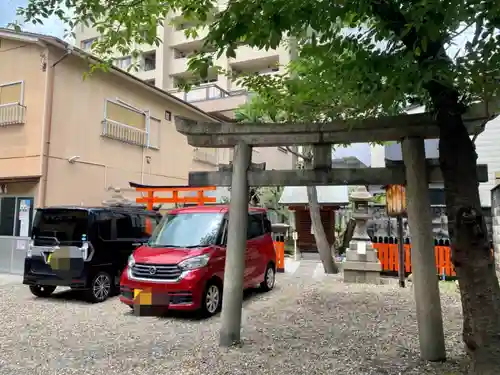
(416, 174)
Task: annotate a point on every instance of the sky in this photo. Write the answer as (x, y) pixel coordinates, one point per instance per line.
(51, 26)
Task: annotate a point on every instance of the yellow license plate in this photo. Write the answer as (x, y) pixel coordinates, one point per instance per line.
(144, 298)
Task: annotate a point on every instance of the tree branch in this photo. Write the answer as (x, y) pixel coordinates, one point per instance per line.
(477, 32)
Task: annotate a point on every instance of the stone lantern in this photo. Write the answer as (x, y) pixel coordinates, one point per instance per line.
(362, 264)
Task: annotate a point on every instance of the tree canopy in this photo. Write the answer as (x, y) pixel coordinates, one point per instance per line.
(357, 58)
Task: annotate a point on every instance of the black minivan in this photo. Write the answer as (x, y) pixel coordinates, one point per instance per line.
(84, 248)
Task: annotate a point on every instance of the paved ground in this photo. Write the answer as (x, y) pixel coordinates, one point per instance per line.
(310, 324)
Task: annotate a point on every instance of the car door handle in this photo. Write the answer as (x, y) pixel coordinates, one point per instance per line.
(137, 244)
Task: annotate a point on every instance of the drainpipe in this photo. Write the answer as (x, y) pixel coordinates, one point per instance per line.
(47, 125)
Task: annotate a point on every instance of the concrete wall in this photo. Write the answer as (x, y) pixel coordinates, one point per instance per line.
(78, 112)
(77, 125)
(21, 143)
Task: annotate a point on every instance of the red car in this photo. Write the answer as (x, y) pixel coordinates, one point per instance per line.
(182, 265)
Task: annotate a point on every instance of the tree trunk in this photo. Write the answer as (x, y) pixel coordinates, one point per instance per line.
(324, 249)
(471, 253)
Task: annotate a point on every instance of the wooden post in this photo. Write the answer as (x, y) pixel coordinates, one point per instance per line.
(426, 288)
(232, 299)
(401, 252)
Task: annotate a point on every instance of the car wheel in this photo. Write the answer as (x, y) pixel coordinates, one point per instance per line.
(42, 290)
(100, 288)
(269, 279)
(211, 302)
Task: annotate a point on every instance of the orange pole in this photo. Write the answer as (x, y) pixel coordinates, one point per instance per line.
(150, 200)
(280, 256)
(200, 197)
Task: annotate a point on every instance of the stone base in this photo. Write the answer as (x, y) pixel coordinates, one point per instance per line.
(362, 268)
(370, 256)
(362, 271)
(363, 277)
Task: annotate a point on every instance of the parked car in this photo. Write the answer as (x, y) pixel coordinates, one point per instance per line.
(84, 248)
(183, 263)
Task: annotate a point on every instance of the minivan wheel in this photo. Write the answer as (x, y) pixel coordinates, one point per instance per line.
(42, 290)
(211, 302)
(269, 279)
(100, 288)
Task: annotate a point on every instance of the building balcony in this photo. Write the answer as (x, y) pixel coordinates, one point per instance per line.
(212, 98)
(145, 75)
(198, 94)
(247, 55)
(205, 155)
(178, 39)
(179, 66)
(124, 133)
(12, 114)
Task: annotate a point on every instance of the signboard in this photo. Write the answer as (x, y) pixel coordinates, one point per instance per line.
(24, 217)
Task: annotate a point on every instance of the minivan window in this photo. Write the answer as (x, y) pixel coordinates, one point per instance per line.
(187, 230)
(255, 226)
(133, 225)
(104, 220)
(67, 226)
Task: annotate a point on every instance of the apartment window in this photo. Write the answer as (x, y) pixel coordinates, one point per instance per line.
(183, 25)
(123, 62)
(149, 61)
(87, 43)
(125, 123)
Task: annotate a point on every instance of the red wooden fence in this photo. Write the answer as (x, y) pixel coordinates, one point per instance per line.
(388, 256)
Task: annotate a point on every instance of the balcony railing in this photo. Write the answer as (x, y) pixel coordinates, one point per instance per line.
(124, 133)
(205, 155)
(208, 92)
(12, 114)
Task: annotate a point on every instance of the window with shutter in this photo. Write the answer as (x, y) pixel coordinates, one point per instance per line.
(11, 103)
(125, 123)
(11, 93)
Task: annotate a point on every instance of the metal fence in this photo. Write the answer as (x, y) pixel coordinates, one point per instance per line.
(12, 254)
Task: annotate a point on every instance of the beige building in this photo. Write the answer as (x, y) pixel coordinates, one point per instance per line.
(165, 65)
(66, 140)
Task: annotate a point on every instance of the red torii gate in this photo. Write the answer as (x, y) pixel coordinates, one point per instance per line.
(151, 199)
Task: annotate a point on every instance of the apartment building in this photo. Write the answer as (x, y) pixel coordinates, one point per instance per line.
(164, 66)
(66, 140)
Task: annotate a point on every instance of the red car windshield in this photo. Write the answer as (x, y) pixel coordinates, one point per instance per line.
(187, 230)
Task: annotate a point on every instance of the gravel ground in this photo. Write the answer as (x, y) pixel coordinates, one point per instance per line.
(304, 326)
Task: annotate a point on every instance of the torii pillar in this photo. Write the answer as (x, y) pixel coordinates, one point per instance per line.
(426, 288)
(232, 297)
